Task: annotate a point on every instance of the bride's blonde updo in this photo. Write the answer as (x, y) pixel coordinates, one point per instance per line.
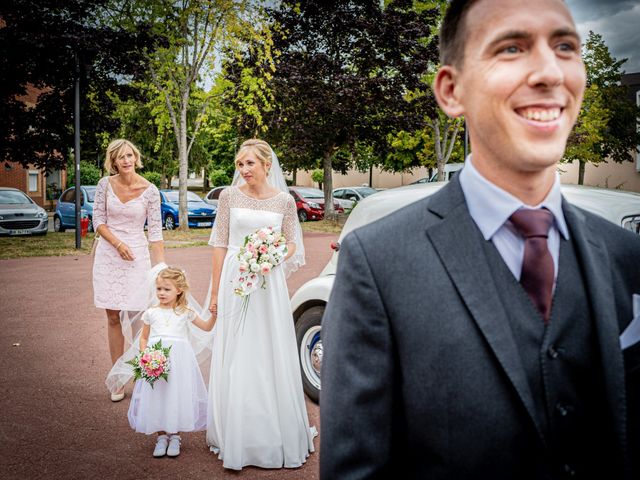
(260, 148)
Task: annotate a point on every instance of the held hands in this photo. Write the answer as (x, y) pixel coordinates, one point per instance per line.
(213, 307)
(124, 251)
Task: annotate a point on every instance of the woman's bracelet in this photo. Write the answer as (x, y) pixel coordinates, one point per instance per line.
(118, 245)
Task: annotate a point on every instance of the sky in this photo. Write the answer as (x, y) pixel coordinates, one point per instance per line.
(618, 21)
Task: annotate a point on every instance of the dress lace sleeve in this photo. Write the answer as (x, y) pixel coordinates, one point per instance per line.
(154, 217)
(220, 230)
(290, 220)
(100, 204)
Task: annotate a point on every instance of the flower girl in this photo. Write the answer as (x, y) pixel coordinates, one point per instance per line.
(179, 403)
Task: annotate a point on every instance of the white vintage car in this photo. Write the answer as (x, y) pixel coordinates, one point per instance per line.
(308, 302)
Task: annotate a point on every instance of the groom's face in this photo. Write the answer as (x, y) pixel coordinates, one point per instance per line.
(520, 81)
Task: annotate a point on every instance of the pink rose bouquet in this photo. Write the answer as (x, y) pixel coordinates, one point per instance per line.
(152, 363)
(262, 250)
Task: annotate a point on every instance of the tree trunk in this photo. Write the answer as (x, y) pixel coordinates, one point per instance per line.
(581, 168)
(327, 167)
(183, 209)
(295, 176)
(371, 176)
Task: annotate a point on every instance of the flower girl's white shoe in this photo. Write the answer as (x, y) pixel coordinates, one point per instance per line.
(174, 446)
(116, 397)
(161, 446)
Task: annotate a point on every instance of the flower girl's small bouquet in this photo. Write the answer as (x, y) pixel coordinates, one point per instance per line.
(152, 363)
(262, 250)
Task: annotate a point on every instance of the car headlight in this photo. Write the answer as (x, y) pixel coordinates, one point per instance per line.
(191, 213)
(40, 214)
(1, 217)
(632, 223)
(313, 205)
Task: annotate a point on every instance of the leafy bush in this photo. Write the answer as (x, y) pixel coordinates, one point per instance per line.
(318, 176)
(153, 177)
(219, 177)
(89, 174)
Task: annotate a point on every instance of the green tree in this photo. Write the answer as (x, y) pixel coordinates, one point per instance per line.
(345, 68)
(196, 34)
(588, 133)
(607, 126)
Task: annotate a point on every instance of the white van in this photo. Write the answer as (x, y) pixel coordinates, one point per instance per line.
(450, 170)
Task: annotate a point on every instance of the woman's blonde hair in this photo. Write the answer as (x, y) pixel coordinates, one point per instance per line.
(113, 151)
(261, 148)
(179, 279)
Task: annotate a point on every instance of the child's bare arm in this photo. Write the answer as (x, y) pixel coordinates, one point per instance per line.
(144, 336)
(205, 325)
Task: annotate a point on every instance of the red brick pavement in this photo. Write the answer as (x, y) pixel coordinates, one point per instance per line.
(56, 420)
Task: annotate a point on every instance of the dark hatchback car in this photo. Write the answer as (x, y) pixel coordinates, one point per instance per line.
(200, 214)
(19, 215)
(310, 203)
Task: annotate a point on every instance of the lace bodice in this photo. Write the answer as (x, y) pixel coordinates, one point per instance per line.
(239, 215)
(166, 322)
(127, 219)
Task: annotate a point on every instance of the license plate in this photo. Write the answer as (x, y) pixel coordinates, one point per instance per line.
(19, 232)
(204, 224)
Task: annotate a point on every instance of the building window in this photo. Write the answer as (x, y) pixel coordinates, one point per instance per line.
(33, 180)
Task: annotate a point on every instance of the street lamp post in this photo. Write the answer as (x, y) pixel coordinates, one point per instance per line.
(76, 151)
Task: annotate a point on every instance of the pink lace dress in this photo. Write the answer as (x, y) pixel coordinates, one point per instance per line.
(116, 281)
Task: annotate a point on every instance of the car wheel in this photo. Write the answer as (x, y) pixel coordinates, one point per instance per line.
(169, 222)
(302, 215)
(90, 228)
(57, 224)
(308, 329)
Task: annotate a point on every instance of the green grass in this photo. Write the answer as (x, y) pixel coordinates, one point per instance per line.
(59, 244)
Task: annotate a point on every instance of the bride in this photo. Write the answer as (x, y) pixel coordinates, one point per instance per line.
(256, 413)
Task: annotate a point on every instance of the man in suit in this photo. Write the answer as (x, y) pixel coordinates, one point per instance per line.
(475, 333)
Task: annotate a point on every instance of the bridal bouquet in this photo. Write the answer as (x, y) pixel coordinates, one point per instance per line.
(262, 250)
(152, 363)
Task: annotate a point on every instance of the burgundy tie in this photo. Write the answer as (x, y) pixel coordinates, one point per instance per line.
(537, 264)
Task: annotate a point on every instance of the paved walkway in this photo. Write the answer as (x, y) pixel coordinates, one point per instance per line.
(56, 420)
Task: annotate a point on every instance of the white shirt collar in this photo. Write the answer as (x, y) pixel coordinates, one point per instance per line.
(490, 206)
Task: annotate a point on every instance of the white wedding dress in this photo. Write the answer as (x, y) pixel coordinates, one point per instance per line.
(256, 412)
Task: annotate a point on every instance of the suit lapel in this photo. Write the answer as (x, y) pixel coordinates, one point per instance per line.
(455, 239)
(596, 268)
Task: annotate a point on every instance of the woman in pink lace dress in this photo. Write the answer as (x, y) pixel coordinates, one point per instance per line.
(124, 201)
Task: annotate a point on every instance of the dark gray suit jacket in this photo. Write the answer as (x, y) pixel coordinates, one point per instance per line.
(420, 368)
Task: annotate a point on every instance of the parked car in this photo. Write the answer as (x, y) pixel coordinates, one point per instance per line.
(212, 197)
(19, 215)
(349, 196)
(65, 214)
(308, 302)
(310, 203)
(450, 169)
(200, 213)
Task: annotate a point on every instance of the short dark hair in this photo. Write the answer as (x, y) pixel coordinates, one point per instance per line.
(453, 32)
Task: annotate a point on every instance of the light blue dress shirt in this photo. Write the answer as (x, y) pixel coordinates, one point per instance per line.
(490, 208)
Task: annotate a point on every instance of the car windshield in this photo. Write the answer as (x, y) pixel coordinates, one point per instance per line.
(91, 192)
(13, 197)
(310, 192)
(174, 196)
(366, 191)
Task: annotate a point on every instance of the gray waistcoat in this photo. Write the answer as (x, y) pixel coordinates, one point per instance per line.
(562, 363)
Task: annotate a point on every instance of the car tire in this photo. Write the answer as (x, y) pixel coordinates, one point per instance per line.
(57, 224)
(309, 340)
(302, 215)
(90, 228)
(169, 222)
